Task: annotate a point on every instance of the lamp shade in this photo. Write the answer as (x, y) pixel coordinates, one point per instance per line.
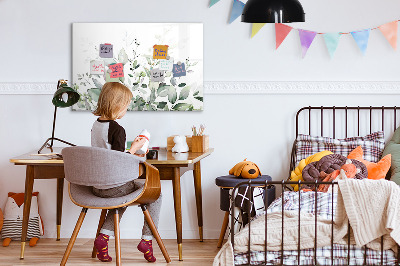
(273, 11)
(65, 96)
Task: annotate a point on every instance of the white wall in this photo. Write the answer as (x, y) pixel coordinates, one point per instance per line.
(36, 47)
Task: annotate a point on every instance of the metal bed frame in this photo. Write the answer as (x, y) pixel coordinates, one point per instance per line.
(283, 184)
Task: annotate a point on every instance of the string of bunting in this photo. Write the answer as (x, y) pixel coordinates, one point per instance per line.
(361, 37)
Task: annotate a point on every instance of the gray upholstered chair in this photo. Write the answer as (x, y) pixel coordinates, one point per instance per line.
(85, 167)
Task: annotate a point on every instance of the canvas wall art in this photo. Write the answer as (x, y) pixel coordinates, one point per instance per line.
(162, 63)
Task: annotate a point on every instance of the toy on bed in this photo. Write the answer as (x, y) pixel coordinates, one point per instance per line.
(13, 215)
(296, 174)
(330, 164)
(348, 170)
(377, 170)
(245, 169)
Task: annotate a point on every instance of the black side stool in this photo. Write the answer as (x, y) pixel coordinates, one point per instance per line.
(226, 183)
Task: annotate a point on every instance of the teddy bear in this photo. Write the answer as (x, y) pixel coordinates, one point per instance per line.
(245, 169)
(180, 144)
(13, 215)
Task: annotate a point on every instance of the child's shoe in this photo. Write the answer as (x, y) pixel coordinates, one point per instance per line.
(146, 247)
(101, 245)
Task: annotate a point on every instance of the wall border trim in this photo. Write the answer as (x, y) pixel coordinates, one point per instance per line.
(244, 87)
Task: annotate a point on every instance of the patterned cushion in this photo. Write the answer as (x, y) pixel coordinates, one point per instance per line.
(372, 144)
(13, 228)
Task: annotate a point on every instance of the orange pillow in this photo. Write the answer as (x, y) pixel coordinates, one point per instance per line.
(375, 170)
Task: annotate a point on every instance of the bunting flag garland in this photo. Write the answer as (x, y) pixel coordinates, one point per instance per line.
(237, 9)
(332, 41)
(389, 30)
(256, 27)
(281, 31)
(213, 2)
(306, 39)
(361, 37)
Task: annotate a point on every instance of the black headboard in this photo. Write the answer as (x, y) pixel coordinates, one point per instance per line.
(344, 121)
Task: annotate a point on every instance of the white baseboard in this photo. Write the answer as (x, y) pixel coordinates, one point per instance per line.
(247, 87)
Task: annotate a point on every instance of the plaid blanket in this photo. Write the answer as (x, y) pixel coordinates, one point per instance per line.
(323, 205)
(340, 253)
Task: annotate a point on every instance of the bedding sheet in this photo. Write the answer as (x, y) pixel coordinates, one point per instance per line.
(322, 205)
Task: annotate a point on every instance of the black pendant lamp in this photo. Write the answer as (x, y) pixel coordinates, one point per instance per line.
(273, 11)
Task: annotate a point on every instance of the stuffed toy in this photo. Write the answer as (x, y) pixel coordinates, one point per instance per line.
(348, 170)
(328, 164)
(1, 220)
(296, 174)
(13, 215)
(375, 170)
(180, 144)
(245, 169)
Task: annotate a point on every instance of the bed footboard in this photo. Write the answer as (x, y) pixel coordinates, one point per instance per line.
(312, 259)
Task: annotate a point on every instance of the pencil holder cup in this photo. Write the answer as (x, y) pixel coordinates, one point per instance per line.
(200, 143)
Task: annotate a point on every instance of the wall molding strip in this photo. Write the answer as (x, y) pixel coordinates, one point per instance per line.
(250, 87)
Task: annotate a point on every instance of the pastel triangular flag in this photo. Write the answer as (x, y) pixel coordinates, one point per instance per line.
(332, 41)
(306, 39)
(213, 2)
(389, 30)
(361, 37)
(256, 28)
(237, 9)
(281, 31)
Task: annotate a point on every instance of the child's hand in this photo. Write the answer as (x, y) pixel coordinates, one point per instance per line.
(137, 144)
(142, 155)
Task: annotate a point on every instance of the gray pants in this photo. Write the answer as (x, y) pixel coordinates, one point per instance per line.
(154, 208)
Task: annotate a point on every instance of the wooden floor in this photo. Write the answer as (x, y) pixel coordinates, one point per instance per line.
(50, 252)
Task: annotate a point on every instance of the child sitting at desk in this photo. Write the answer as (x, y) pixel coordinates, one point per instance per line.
(113, 102)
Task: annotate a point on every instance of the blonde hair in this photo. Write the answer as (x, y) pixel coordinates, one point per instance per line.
(113, 97)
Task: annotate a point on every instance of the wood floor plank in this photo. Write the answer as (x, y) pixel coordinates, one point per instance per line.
(49, 252)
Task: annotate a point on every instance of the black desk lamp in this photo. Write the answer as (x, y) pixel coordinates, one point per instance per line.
(273, 11)
(64, 97)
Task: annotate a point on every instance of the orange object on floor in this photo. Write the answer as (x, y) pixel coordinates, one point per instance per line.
(33, 241)
(6, 242)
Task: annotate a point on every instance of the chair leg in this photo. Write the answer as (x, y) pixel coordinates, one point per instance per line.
(117, 239)
(154, 230)
(223, 229)
(73, 237)
(101, 222)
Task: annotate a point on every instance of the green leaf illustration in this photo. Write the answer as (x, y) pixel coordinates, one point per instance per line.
(199, 98)
(161, 105)
(97, 83)
(181, 107)
(162, 91)
(184, 93)
(172, 95)
(153, 95)
(182, 85)
(94, 94)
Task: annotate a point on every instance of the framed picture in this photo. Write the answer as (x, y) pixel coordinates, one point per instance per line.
(162, 63)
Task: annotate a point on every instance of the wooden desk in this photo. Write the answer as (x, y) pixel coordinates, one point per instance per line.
(171, 167)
